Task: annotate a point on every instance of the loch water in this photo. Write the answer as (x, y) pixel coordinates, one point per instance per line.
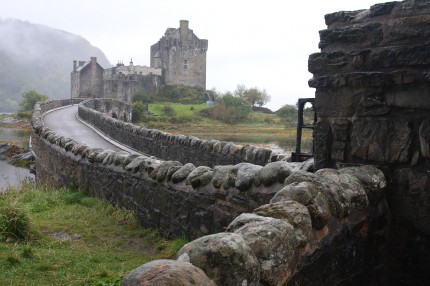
(11, 176)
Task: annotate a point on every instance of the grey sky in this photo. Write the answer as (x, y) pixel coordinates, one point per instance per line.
(262, 43)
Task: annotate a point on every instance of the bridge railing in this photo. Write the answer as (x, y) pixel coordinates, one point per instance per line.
(166, 146)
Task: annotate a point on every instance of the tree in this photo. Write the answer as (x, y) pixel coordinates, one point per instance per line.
(30, 98)
(256, 96)
(240, 90)
(264, 98)
(253, 95)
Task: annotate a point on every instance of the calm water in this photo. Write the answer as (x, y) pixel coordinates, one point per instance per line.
(11, 176)
(19, 137)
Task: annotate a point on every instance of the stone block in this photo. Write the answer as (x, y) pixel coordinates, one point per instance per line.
(424, 135)
(337, 102)
(381, 9)
(410, 198)
(167, 273)
(406, 97)
(225, 258)
(381, 140)
(354, 36)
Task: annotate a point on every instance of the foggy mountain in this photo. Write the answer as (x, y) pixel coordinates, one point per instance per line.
(40, 58)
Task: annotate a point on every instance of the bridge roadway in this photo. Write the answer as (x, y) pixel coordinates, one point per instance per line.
(63, 121)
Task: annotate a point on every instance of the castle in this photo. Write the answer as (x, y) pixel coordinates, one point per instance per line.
(179, 57)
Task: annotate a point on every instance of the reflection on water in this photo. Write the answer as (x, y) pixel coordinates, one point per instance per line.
(11, 176)
(19, 137)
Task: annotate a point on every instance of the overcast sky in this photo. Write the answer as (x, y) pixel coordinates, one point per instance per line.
(258, 43)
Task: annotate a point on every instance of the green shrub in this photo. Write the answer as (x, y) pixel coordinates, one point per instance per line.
(168, 110)
(231, 109)
(15, 223)
(138, 111)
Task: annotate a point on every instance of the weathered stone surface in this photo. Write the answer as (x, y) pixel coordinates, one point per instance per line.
(322, 142)
(120, 157)
(182, 173)
(245, 176)
(369, 140)
(357, 35)
(274, 172)
(200, 176)
(342, 16)
(330, 189)
(410, 197)
(293, 212)
(160, 172)
(273, 241)
(134, 165)
(101, 156)
(167, 273)
(225, 258)
(222, 176)
(346, 189)
(381, 9)
(92, 153)
(371, 178)
(424, 134)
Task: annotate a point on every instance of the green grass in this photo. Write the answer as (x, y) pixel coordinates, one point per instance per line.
(180, 109)
(106, 243)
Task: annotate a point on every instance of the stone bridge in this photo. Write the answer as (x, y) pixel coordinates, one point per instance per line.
(282, 216)
(259, 220)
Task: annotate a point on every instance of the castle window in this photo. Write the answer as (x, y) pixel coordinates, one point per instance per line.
(185, 64)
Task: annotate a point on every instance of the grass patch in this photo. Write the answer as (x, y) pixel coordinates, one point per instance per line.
(73, 240)
(180, 109)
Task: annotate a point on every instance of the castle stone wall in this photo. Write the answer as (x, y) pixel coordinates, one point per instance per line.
(124, 87)
(373, 105)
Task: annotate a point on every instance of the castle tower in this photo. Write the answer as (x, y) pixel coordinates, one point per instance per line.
(182, 56)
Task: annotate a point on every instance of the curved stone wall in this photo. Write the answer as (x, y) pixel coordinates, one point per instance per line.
(113, 108)
(178, 199)
(320, 228)
(165, 146)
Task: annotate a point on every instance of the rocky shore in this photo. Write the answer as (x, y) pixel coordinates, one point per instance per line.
(15, 155)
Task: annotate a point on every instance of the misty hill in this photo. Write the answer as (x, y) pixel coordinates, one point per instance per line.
(40, 58)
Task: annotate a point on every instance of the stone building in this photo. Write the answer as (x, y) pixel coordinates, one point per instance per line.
(182, 57)
(179, 57)
(87, 79)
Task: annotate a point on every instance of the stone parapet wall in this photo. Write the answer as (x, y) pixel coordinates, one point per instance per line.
(175, 147)
(46, 106)
(323, 228)
(178, 199)
(372, 80)
(113, 108)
